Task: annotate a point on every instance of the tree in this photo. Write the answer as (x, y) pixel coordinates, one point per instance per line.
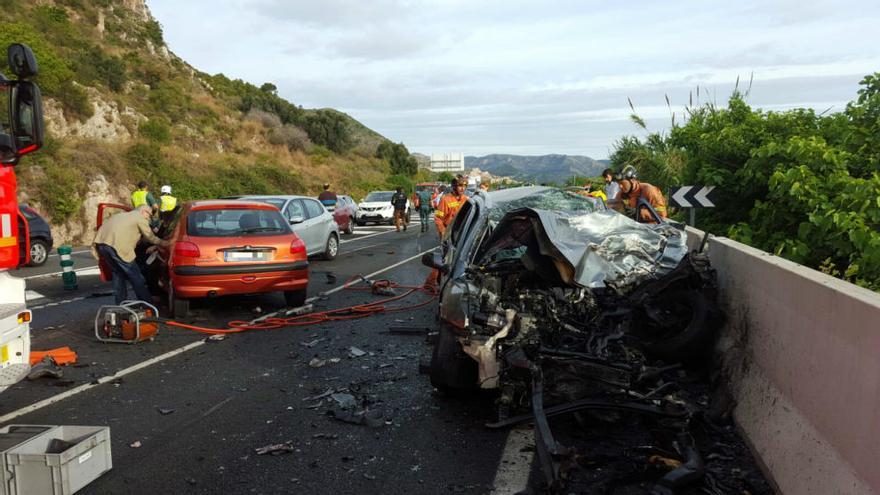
(801, 185)
(445, 177)
(399, 158)
(269, 88)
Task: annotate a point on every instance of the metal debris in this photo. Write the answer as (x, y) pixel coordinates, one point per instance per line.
(276, 449)
(354, 352)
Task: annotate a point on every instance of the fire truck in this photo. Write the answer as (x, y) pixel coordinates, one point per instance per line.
(21, 132)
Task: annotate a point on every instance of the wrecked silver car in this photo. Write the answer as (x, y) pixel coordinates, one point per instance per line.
(563, 306)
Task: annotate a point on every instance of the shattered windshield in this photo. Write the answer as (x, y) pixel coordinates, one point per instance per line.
(548, 199)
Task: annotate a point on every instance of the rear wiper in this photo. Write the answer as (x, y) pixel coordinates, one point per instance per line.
(260, 229)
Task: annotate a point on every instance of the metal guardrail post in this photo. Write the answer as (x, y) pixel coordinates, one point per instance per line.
(68, 276)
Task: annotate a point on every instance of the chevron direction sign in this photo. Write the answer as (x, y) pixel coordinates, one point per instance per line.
(692, 197)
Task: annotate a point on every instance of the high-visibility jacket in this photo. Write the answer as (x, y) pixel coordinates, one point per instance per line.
(139, 198)
(167, 202)
(653, 196)
(447, 209)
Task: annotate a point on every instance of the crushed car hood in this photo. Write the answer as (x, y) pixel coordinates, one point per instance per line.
(592, 249)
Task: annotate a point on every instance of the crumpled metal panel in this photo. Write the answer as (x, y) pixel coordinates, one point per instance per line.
(605, 248)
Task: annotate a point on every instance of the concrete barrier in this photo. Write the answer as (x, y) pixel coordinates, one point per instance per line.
(802, 351)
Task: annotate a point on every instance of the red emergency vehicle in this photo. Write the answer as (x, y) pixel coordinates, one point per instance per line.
(21, 132)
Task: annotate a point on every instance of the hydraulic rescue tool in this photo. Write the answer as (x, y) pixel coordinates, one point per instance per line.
(129, 322)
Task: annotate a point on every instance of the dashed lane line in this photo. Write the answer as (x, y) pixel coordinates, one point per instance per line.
(515, 464)
(149, 362)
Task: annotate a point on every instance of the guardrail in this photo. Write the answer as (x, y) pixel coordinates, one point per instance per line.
(802, 352)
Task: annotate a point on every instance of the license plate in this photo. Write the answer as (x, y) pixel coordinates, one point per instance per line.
(246, 256)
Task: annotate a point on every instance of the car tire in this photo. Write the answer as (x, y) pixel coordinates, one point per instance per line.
(295, 298)
(178, 307)
(39, 252)
(331, 248)
(349, 229)
(690, 341)
(451, 369)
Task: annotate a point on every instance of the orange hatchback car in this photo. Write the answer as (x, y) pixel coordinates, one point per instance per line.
(224, 247)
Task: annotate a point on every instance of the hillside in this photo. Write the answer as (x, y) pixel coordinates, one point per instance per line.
(121, 107)
(539, 169)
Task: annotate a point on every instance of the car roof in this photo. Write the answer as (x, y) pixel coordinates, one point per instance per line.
(275, 196)
(216, 204)
(514, 193)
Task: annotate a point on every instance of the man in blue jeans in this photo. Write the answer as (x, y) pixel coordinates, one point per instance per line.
(115, 244)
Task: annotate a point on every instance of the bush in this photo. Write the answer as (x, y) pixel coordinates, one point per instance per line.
(153, 32)
(75, 101)
(59, 192)
(145, 157)
(269, 120)
(402, 163)
(329, 128)
(156, 129)
(291, 136)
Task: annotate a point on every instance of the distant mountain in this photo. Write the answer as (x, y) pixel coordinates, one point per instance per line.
(539, 169)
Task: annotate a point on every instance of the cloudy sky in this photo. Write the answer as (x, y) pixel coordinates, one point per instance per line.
(528, 77)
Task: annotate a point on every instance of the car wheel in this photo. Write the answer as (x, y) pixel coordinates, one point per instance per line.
(349, 229)
(451, 368)
(179, 307)
(295, 298)
(39, 252)
(688, 329)
(332, 248)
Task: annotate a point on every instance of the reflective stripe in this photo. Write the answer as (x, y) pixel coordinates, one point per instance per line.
(660, 208)
(453, 204)
(65, 257)
(439, 214)
(138, 198)
(67, 269)
(167, 202)
(6, 225)
(8, 241)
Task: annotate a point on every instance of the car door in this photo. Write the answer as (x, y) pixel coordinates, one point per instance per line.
(292, 210)
(105, 211)
(318, 224)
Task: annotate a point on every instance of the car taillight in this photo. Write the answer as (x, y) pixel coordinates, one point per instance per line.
(186, 250)
(297, 246)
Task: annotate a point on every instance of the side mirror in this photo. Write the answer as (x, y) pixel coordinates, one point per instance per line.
(26, 111)
(297, 219)
(434, 259)
(21, 60)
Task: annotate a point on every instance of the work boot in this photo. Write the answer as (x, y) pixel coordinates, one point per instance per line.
(404, 227)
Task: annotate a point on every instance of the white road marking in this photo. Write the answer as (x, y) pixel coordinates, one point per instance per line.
(30, 295)
(57, 303)
(89, 270)
(515, 464)
(359, 249)
(180, 350)
(366, 236)
(82, 388)
(84, 250)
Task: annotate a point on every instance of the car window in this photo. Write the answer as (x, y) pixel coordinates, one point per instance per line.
(235, 222)
(313, 208)
(459, 223)
(379, 196)
(294, 209)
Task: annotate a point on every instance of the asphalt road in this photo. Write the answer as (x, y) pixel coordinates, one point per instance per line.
(252, 389)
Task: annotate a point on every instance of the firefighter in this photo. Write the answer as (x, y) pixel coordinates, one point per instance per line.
(449, 204)
(399, 202)
(143, 196)
(167, 202)
(631, 190)
(115, 243)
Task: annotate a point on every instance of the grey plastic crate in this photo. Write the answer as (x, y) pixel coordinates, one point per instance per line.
(11, 437)
(84, 457)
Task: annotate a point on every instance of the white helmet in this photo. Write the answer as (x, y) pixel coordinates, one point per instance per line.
(166, 189)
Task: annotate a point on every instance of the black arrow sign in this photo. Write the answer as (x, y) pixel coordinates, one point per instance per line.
(692, 197)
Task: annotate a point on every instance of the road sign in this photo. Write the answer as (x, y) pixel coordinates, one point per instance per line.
(692, 197)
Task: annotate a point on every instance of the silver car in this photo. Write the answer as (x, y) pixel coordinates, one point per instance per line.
(309, 220)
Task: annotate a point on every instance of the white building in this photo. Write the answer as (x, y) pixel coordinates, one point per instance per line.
(447, 162)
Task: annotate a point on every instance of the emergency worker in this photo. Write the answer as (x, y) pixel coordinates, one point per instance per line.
(423, 203)
(142, 196)
(167, 202)
(449, 204)
(398, 201)
(632, 190)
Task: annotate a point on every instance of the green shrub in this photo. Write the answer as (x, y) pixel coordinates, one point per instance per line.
(145, 157)
(291, 136)
(75, 101)
(59, 192)
(156, 129)
(153, 32)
